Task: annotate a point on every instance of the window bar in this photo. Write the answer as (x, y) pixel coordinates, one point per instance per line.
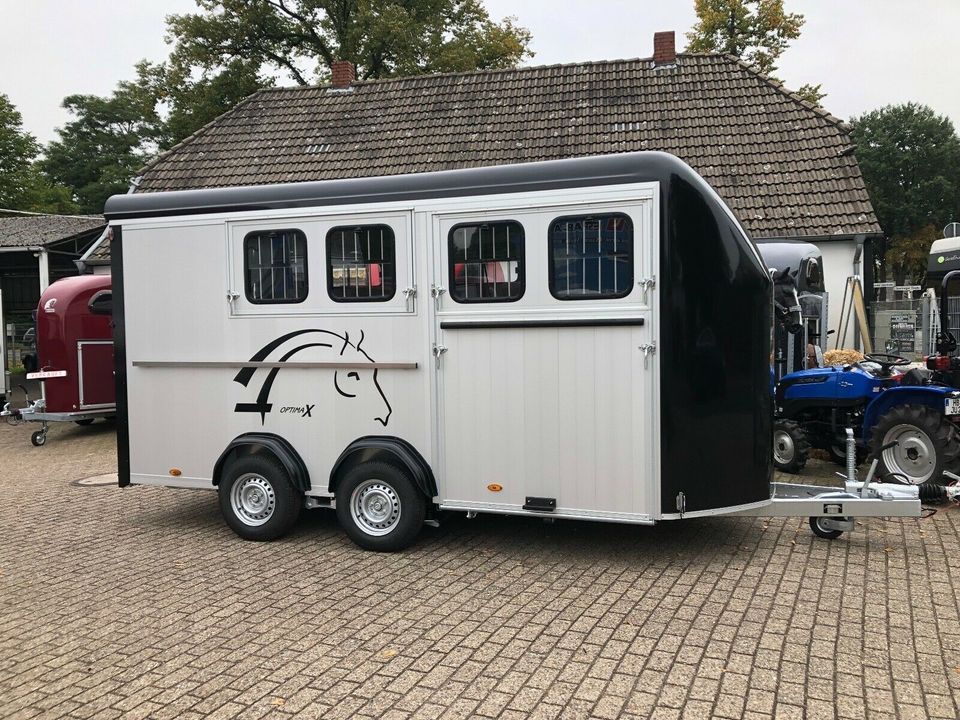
(480, 262)
(293, 268)
(383, 258)
(353, 262)
(583, 258)
(466, 265)
(344, 274)
(616, 286)
(283, 255)
(509, 273)
(273, 279)
(259, 266)
(567, 232)
(599, 261)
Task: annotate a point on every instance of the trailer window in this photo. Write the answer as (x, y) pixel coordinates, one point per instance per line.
(486, 262)
(361, 263)
(275, 266)
(591, 256)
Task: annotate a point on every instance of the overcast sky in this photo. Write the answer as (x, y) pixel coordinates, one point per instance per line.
(866, 53)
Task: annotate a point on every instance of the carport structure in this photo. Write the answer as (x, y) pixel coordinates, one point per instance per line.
(35, 251)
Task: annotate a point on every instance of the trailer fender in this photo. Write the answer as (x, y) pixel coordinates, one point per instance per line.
(389, 449)
(270, 443)
(929, 395)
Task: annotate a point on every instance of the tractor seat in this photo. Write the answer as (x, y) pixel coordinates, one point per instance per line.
(916, 376)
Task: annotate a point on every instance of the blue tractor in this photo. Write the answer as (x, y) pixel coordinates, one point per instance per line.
(912, 415)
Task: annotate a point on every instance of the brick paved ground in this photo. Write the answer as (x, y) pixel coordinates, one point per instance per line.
(139, 602)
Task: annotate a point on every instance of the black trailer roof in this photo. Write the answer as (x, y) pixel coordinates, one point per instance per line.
(525, 177)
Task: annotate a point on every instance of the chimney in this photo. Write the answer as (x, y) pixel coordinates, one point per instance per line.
(343, 75)
(664, 48)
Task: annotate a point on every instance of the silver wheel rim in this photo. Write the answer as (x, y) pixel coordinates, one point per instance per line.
(375, 507)
(915, 457)
(253, 499)
(783, 449)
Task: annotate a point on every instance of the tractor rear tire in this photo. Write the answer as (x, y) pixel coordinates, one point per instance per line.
(929, 444)
(790, 446)
(838, 454)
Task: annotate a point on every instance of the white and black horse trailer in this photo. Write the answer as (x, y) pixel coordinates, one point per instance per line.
(583, 339)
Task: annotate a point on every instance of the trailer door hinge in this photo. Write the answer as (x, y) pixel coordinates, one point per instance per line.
(681, 503)
(438, 350)
(647, 351)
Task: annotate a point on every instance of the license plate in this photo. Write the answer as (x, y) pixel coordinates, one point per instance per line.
(951, 406)
(44, 374)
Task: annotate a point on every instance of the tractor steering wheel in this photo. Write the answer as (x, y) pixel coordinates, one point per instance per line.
(886, 361)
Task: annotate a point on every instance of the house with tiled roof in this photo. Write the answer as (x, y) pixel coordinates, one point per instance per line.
(784, 166)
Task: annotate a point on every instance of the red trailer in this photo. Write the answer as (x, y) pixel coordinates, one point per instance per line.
(75, 355)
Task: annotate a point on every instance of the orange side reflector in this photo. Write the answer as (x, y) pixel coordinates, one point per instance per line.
(175, 472)
(494, 487)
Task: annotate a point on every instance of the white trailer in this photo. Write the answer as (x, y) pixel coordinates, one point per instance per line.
(583, 339)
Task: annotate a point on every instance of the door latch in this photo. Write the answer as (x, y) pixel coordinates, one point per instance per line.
(647, 351)
(681, 503)
(409, 293)
(439, 350)
(232, 296)
(647, 284)
(435, 292)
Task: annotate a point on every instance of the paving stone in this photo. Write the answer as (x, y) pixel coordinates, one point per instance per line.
(140, 603)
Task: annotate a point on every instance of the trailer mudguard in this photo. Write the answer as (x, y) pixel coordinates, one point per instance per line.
(930, 395)
(389, 449)
(274, 444)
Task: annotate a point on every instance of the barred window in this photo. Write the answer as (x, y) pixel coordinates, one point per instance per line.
(591, 257)
(486, 262)
(275, 266)
(361, 263)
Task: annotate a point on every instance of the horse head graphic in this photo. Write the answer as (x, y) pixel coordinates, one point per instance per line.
(352, 381)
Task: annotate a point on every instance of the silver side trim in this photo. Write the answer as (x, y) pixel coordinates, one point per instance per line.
(565, 513)
(732, 510)
(301, 365)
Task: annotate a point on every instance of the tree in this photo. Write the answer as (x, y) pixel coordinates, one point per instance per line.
(303, 38)
(22, 185)
(910, 160)
(756, 30)
(98, 152)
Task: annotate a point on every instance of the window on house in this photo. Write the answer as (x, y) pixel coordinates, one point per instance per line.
(486, 262)
(361, 263)
(591, 257)
(275, 266)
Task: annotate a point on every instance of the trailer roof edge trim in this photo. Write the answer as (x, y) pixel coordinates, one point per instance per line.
(523, 177)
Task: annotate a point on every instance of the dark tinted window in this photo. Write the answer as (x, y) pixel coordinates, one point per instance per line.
(361, 263)
(275, 266)
(486, 262)
(591, 257)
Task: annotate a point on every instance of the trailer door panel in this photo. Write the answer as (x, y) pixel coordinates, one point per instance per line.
(546, 391)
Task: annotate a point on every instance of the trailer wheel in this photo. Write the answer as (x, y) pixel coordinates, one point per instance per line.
(257, 499)
(38, 438)
(379, 507)
(823, 532)
(928, 444)
(790, 446)
(85, 422)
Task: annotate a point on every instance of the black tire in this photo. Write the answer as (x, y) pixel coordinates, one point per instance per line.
(258, 481)
(387, 490)
(790, 446)
(823, 532)
(39, 438)
(929, 445)
(84, 423)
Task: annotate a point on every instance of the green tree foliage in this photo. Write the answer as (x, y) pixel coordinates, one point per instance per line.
(383, 38)
(22, 185)
(910, 160)
(108, 139)
(756, 30)
(811, 93)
